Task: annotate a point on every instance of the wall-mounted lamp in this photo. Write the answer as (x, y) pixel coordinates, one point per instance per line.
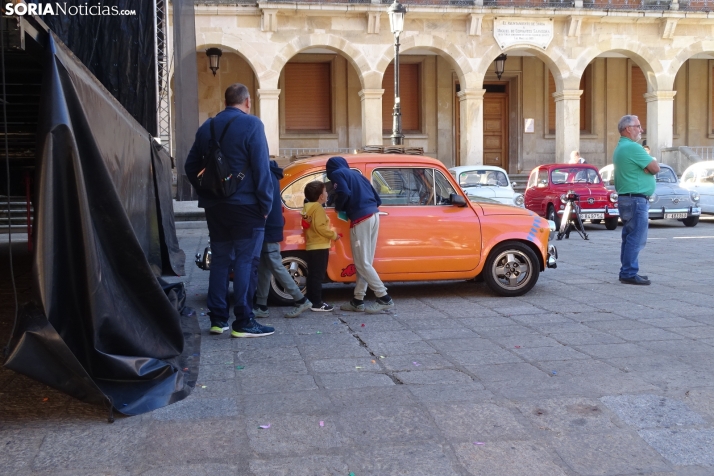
(214, 59)
(500, 64)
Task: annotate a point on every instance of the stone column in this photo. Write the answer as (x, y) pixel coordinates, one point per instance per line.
(371, 116)
(660, 121)
(270, 115)
(567, 123)
(471, 114)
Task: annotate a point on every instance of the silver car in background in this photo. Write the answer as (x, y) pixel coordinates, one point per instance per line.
(699, 178)
(670, 200)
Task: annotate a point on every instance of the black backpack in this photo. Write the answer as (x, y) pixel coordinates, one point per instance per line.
(216, 180)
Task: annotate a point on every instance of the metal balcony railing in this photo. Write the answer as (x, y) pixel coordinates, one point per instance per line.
(656, 5)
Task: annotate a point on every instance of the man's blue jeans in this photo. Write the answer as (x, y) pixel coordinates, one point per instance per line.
(241, 256)
(634, 212)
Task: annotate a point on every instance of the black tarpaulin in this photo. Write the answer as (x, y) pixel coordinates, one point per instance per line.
(118, 49)
(104, 327)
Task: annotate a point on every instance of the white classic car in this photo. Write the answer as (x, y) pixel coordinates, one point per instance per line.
(700, 178)
(487, 181)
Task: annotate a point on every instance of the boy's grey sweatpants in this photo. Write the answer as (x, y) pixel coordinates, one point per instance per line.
(271, 264)
(363, 237)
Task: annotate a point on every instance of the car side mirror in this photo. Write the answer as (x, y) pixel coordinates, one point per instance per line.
(513, 184)
(457, 200)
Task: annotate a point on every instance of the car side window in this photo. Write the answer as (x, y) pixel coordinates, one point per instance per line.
(688, 177)
(293, 195)
(543, 178)
(532, 179)
(443, 189)
(404, 186)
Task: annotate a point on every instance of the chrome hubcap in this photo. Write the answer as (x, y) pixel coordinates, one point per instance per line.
(512, 269)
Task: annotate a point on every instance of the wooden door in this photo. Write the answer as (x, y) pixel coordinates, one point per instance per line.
(495, 129)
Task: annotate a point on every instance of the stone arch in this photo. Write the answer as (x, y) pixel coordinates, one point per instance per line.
(450, 52)
(558, 65)
(702, 46)
(252, 59)
(315, 40)
(650, 65)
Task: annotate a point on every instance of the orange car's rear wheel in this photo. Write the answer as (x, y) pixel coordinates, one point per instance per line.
(296, 267)
(512, 269)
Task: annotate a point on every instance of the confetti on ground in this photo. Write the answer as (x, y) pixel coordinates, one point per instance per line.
(352, 474)
(265, 427)
(322, 423)
(185, 369)
(381, 356)
(203, 313)
(358, 367)
(45, 399)
(203, 386)
(479, 443)
(239, 367)
(318, 332)
(374, 361)
(554, 372)
(362, 325)
(416, 364)
(517, 346)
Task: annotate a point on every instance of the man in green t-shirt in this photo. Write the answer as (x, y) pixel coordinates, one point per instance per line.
(635, 182)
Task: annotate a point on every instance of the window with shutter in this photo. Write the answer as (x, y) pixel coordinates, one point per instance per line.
(638, 88)
(409, 95)
(308, 98)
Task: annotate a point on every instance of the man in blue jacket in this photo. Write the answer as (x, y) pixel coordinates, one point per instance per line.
(236, 224)
(355, 196)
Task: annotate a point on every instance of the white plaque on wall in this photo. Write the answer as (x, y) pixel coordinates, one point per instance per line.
(523, 31)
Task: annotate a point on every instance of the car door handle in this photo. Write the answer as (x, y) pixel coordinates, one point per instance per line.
(382, 213)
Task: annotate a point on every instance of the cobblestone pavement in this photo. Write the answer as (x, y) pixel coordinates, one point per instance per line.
(582, 376)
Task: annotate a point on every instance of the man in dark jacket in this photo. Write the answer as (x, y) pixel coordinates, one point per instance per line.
(271, 262)
(355, 196)
(235, 224)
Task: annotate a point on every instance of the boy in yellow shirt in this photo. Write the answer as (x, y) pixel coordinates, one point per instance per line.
(318, 239)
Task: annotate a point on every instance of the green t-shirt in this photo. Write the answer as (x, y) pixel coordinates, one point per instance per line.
(630, 160)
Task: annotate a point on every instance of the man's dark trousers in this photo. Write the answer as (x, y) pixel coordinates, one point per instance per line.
(235, 247)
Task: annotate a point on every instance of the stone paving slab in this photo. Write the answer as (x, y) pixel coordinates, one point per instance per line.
(567, 380)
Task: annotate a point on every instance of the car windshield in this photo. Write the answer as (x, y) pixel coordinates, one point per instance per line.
(483, 178)
(705, 175)
(666, 175)
(571, 175)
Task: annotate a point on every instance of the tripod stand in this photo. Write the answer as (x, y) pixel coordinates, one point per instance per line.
(566, 223)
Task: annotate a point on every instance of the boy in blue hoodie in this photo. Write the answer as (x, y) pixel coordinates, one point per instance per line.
(271, 261)
(355, 196)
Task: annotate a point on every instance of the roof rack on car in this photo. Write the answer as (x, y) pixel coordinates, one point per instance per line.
(392, 149)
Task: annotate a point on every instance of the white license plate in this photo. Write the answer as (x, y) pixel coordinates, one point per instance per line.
(592, 216)
(676, 215)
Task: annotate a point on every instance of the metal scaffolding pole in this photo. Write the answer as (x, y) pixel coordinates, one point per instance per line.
(163, 65)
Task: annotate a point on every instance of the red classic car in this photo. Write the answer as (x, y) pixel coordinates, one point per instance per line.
(549, 184)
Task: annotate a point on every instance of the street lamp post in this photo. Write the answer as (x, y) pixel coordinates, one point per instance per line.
(396, 13)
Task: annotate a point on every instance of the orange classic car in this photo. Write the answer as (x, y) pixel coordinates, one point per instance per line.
(428, 229)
